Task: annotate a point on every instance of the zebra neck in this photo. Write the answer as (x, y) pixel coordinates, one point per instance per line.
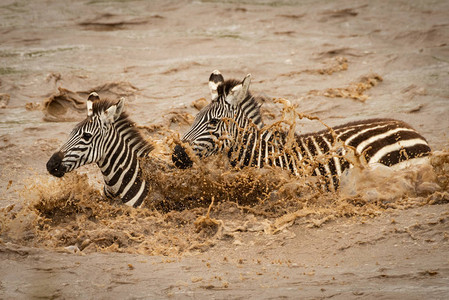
(250, 110)
(122, 173)
(245, 150)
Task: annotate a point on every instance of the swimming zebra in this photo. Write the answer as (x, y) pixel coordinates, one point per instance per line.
(232, 122)
(109, 138)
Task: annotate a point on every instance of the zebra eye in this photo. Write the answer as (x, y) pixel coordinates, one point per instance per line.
(87, 136)
(213, 122)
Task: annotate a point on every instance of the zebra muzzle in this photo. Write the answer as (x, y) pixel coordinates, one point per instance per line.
(54, 164)
(180, 158)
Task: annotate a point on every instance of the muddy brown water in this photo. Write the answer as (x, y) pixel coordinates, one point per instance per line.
(214, 232)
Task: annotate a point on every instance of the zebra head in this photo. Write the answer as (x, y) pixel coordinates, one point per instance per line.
(87, 141)
(216, 126)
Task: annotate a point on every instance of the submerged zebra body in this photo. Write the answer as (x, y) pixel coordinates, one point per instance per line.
(386, 141)
(232, 123)
(106, 137)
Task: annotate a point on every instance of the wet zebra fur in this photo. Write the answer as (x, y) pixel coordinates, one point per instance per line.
(232, 123)
(109, 138)
(386, 141)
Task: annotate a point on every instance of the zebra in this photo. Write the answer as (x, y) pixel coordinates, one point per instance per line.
(232, 124)
(109, 138)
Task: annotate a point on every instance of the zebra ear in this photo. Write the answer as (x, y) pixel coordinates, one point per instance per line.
(113, 113)
(215, 80)
(90, 102)
(239, 92)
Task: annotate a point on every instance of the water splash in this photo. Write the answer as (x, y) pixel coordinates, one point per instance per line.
(190, 210)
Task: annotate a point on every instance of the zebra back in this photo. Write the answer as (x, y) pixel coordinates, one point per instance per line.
(328, 153)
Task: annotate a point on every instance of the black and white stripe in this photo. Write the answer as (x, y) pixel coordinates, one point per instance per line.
(220, 119)
(238, 129)
(106, 137)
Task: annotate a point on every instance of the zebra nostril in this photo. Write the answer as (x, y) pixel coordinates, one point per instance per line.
(54, 166)
(180, 158)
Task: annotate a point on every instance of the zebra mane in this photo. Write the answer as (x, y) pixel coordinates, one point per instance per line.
(249, 104)
(224, 88)
(102, 105)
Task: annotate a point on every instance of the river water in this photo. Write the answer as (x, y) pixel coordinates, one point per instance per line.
(212, 231)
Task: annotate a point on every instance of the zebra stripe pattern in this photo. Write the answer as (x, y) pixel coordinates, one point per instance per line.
(238, 128)
(212, 125)
(106, 137)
